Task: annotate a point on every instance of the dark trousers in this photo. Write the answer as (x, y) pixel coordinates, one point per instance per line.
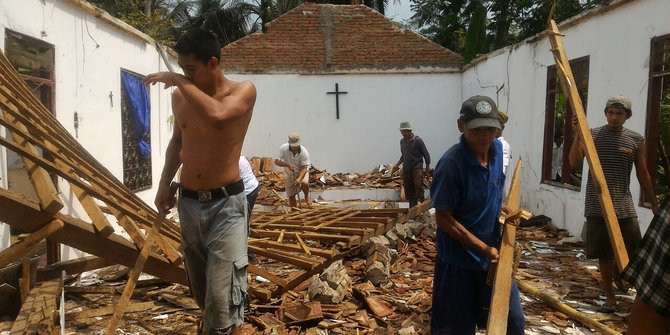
(251, 201)
(461, 300)
(412, 180)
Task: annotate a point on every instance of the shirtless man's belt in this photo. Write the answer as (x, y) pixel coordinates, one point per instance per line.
(214, 194)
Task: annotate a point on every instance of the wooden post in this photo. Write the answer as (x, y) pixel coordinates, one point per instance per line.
(24, 246)
(568, 84)
(502, 285)
(134, 276)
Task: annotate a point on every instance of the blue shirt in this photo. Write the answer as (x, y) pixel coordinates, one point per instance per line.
(473, 193)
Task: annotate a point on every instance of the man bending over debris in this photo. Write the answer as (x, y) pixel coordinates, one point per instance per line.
(294, 158)
(467, 195)
(212, 114)
(649, 273)
(618, 149)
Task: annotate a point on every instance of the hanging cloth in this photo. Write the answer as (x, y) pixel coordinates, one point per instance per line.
(139, 109)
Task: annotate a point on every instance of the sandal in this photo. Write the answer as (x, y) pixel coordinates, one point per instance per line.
(608, 309)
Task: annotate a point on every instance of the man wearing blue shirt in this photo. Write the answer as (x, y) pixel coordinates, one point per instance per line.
(467, 196)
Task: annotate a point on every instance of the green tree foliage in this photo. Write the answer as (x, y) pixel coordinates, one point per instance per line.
(507, 21)
(475, 39)
(156, 18)
(166, 20)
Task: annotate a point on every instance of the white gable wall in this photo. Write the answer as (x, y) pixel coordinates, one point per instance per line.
(618, 44)
(370, 113)
(85, 75)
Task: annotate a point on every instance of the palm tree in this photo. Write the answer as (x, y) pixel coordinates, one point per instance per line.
(228, 19)
(268, 10)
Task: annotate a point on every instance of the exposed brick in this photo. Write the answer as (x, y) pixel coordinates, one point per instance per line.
(314, 38)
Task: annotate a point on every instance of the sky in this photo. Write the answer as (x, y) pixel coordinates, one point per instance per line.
(399, 12)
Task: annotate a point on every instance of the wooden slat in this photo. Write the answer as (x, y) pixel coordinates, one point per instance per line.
(502, 285)
(292, 247)
(570, 89)
(17, 250)
(78, 265)
(44, 186)
(102, 226)
(134, 275)
(303, 262)
(267, 275)
(351, 240)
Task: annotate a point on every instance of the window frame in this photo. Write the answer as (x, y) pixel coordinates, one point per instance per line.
(657, 74)
(553, 89)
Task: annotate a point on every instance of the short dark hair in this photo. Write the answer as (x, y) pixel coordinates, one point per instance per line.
(200, 43)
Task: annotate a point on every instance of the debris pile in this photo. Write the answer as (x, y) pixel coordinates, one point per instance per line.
(379, 177)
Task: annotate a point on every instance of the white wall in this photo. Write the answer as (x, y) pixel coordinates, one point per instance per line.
(89, 55)
(618, 44)
(370, 113)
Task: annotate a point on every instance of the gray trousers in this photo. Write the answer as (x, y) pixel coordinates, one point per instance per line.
(214, 239)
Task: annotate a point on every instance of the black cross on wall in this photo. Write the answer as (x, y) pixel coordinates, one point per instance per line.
(337, 99)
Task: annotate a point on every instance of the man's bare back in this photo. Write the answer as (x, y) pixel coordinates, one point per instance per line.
(210, 148)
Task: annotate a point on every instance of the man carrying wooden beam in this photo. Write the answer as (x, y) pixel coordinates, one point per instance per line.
(618, 149)
(212, 114)
(467, 195)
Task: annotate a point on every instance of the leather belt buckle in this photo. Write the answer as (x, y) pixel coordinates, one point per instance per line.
(204, 196)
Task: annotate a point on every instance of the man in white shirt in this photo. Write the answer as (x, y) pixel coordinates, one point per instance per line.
(506, 152)
(251, 185)
(294, 158)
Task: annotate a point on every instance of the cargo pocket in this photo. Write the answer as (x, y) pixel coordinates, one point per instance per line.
(239, 283)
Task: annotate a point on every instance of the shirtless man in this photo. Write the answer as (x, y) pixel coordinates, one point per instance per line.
(212, 114)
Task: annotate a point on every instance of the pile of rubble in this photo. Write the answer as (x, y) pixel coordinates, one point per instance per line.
(385, 288)
(379, 177)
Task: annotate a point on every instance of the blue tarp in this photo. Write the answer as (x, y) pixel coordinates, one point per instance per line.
(139, 108)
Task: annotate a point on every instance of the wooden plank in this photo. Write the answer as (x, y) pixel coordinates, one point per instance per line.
(17, 211)
(335, 230)
(333, 221)
(108, 290)
(79, 265)
(17, 250)
(502, 285)
(267, 275)
(92, 313)
(588, 146)
(291, 247)
(102, 226)
(315, 236)
(25, 280)
(36, 315)
(419, 209)
(133, 277)
(129, 226)
(302, 244)
(303, 262)
(44, 186)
